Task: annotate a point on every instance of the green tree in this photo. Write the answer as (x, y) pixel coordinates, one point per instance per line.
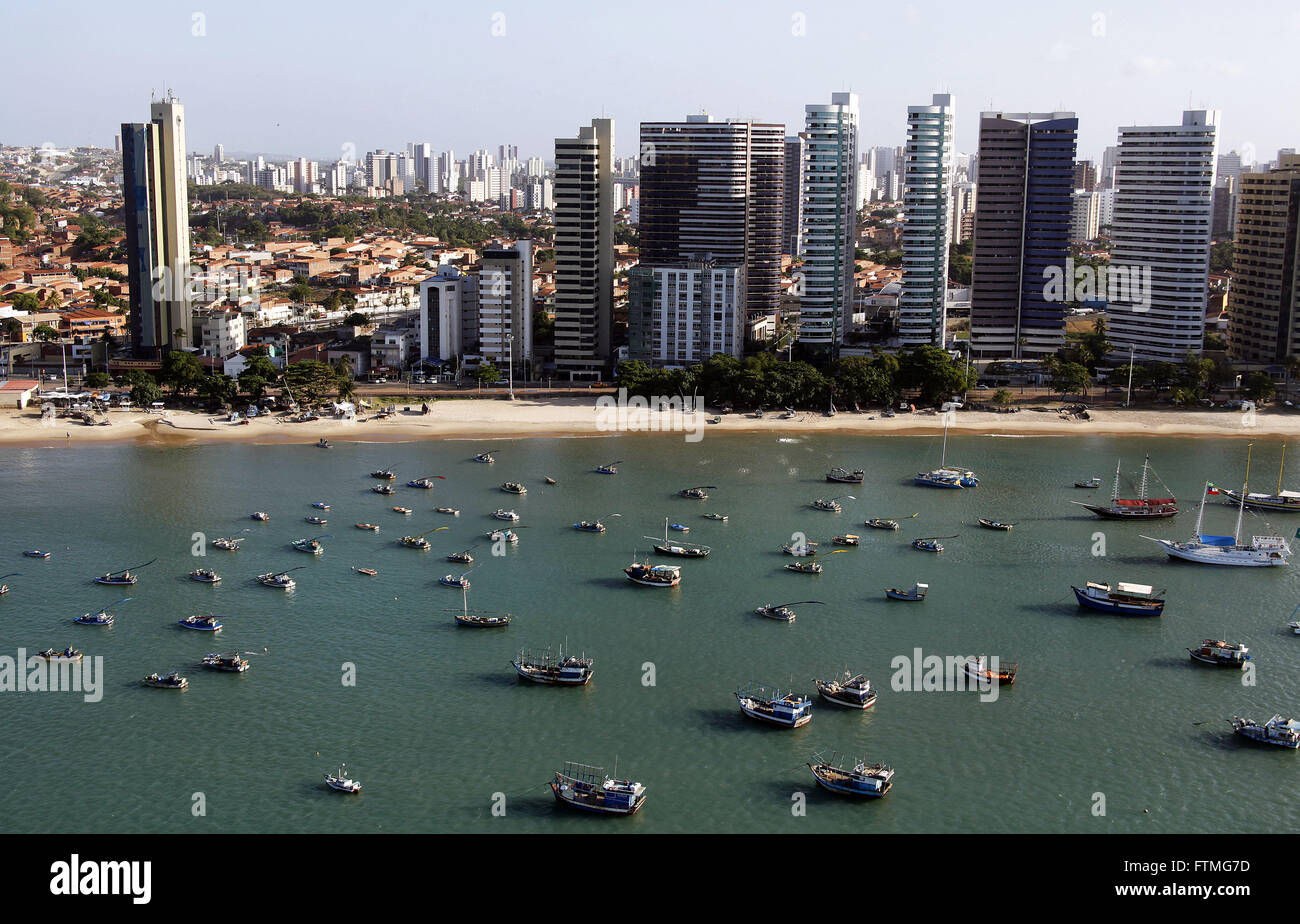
(487, 374)
(44, 332)
(1070, 379)
(24, 301)
(311, 380)
(97, 380)
(1002, 397)
(252, 385)
(145, 393)
(218, 389)
(936, 374)
(1258, 387)
(182, 371)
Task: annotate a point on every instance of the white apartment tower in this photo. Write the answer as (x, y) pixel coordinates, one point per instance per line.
(1164, 188)
(927, 194)
(828, 223)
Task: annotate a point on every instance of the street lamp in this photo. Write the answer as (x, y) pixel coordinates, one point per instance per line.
(510, 339)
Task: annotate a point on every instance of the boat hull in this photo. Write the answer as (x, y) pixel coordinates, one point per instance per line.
(843, 789)
(1111, 513)
(1217, 662)
(568, 798)
(1117, 609)
(1219, 555)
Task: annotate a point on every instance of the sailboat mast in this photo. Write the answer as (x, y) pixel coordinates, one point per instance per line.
(1279, 470)
(943, 459)
(1200, 511)
(1241, 507)
(1142, 489)
(1114, 494)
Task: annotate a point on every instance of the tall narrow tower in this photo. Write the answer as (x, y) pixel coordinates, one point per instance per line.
(927, 195)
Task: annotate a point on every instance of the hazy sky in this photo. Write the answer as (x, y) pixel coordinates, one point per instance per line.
(310, 78)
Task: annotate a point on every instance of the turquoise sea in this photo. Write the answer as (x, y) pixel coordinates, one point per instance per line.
(437, 722)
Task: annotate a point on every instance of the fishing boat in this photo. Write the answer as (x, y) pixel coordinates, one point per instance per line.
(118, 579)
(1134, 508)
(404, 511)
(172, 681)
(610, 468)
(370, 572)
(946, 476)
(554, 669)
(653, 575)
(977, 668)
(805, 567)
(808, 547)
(280, 580)
(915, 595)
(847, 539)
(483, 620)
(463, 558)
(697, 493)
(1262, 552)
(681, 550)
(1277, 730)
(1094, 482)
(370, 526)
(720, 517)
(205, 576)
(589, 526)
(36, 553)
(320, 505)
(852, 690)
(4, 588)
(587, 789)
(514, 487)
(1294, 625)
(930, 543)
(862, 780)
(384, 474)
(768, 704)
(451, 580)
(259, 515)
(995, 524)
(341, 782)
(1221, 653)
(844, 476)
(317, 521)
(790, 414)
(450, 511)
(310, 546)
(509, 515)
(887, 522)
(226, 662)
(426, 483)
(782, 611)
(415, 542)
(200, 623)
(67, 654)
(1280, 500)
(550, 480)
(831, 506)
(226, 544)
(384, 489)
(1123, 599)
(101, 618)
(486, 456)
(323, 443)
(679, 527)
(503, 535)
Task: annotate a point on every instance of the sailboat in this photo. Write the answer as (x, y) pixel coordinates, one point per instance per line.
(1134, 508)
(1263, 551)
(681, 550)
(478, 619)
(1287, 501)
(946, 476)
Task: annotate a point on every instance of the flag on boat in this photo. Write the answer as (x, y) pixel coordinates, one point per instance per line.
(1211, 488)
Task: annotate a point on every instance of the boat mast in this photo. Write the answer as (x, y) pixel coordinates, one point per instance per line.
(1114, 494)
(1200, 512)
(1142, 488)
(943, 459)
(1279, 470)
(1241, 507)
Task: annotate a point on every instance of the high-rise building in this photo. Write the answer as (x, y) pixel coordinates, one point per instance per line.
(584, 250)
(1106, 179)
(791, 196)
(828, 224)
(1085, 175)
(219, 154)
(448, 324)
(713, 191)
(156, 197)
(927, 191)
(422, 154)
(683, 314)
(1265, 307)
(1022, 232)
(1157, 281)
(505, 303)
(1084, 214)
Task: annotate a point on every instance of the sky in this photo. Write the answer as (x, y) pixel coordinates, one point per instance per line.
(312, 79)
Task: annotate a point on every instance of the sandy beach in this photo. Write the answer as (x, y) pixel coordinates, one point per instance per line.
(580, 417)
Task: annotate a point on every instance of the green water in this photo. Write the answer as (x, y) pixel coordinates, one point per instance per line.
(437, 722)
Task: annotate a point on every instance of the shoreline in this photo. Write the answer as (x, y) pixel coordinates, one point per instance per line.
(475, 419)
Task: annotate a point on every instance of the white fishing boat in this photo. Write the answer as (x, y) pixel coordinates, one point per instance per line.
(852, 690)
(554, 670)
(1277, 730)
(770, 705)
(508, 515)
(341, 782)
(1261, 552)
(862, 780)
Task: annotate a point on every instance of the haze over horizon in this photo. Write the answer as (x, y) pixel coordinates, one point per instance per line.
(258, 78)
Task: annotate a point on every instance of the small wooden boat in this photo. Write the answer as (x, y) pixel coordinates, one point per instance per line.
(1221, 654)
(341, 782)
(370, 526)
(260, 515)
(650, 575)
(205, 576)
(451, 511)
(916, 594)
(1090, 483)
(318, 521)
(830, 506)
(486, 456)
(425, 483)
(509, 515)
(1277, 730)
(36, 553)
(770, 705)
(720, 517)
(404, 511)
(887, 522)
(930, 543)
(200, 623)
(383, 474)
(124, 579)
(610, 468)
(367, 571)
(172, 681)
(800, 551)
(588, 789)
(995, 524)
(862, 780)
(847, 539)
(384, 489)
(101, 618)
(226, 662)
(320, 505)
(978, 669)
(679, 527)
(483, 620)
(550, 480)
(852, 690)
(844, 476)
(67, 654)
(1123, 599)
(697, 493)
(589, 526)
(514, 487)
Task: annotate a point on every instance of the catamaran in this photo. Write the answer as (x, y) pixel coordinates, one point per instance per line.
(862, 780)
(946, 476)
(1262, 552)
(1134, 508)
(1285, 501)
(588, 789)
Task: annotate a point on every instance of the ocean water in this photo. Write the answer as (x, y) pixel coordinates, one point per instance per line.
(440, 731)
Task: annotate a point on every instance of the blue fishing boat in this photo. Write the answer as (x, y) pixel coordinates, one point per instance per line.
(862, 780)
(588, 789)
(36, 553)
(610, 468)
(768, 704)
(1122, 599)
(200, 623)
(589, 526)
(95, 619)
(321, 505)
(915, 595)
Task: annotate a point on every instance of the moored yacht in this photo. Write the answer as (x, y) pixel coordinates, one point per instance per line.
(341, 782)
(556, 670)
(1122, 599)
(1262, 552)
